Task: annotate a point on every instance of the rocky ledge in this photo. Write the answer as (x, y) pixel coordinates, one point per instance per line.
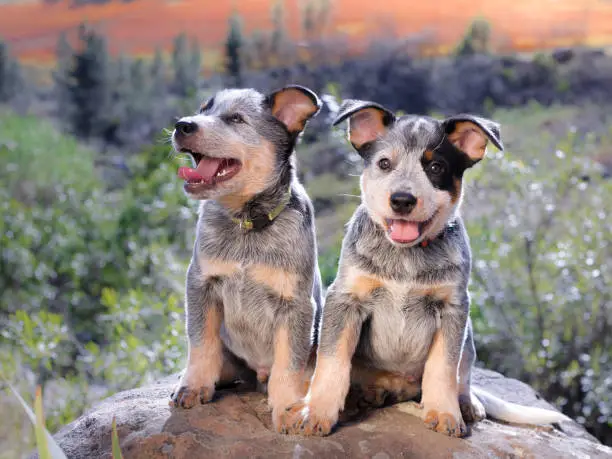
(237, 425)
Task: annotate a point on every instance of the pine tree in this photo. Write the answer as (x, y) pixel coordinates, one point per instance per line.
(476, 39)
(186, 61)
(233, 47)
(61, 76)
(11, 80)
(158, 74)
(90, 86)
(278, 29)
(308, 19)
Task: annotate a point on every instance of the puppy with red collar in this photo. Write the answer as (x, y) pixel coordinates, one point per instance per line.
(396, 319)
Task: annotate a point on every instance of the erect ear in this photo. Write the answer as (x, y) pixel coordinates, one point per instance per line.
(471, 134)
(367, 120)
(294, 105)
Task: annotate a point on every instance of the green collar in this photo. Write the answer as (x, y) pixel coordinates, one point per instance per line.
(261, 221)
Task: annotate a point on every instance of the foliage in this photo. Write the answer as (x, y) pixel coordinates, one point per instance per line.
(90, 278)
(542, 297)
(187, 63)
(46, 444)
(89, 85)
(120, 101)
(10, 74)
(233, 52)
(476, 39)
(47, 447)
(278, 35)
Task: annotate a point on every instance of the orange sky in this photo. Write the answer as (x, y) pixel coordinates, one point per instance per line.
(138, 26)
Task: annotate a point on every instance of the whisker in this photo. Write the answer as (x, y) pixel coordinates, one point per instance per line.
(350, 195)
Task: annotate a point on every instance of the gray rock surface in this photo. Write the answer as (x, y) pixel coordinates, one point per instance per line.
(237, 425)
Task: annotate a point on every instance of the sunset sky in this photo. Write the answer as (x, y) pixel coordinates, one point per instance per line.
(137, 27)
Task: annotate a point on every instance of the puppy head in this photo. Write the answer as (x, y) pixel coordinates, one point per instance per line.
(241, 141)
(412, 181)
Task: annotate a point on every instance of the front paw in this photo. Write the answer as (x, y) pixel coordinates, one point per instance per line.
(446, 422)
(304, 419)
(471, 408)
(187, 397)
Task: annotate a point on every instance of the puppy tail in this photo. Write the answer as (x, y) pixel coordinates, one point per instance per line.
(511, 412)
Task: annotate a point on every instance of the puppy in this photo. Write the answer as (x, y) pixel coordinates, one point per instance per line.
(253, 285)
(396, 319)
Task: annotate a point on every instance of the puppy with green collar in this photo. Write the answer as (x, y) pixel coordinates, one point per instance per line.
(253, 285)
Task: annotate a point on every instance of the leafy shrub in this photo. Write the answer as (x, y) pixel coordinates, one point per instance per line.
(90, 278)
(542, 298)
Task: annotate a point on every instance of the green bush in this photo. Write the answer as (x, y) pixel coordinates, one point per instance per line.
(90, 277)
(542, 297)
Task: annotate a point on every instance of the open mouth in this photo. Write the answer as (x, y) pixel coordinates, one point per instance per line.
(406, 231)
(209, 171)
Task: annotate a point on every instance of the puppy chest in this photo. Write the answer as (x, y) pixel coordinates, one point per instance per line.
(402, 320)
(248, 320)
(251, 277)
(399, 333)
(251, 294)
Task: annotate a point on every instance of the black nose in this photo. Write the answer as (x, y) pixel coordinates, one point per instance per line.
(185, 127)
(403, 203)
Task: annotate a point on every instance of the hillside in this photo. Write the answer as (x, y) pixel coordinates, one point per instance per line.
(136, 27)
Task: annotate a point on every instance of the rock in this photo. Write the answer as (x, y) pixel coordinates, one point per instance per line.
(237, 425)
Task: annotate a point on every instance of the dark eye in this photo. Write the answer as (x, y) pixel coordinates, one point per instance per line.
(436, 168)
(384, 164)
(235, 118)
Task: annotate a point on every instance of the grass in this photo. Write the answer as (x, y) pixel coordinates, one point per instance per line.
(47, 447)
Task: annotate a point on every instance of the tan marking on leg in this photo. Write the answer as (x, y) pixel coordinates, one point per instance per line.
(282, 282)
(204, 364)
(285, 386)
(215, 267)
(319, 411)
(471, 408)
(440, 391)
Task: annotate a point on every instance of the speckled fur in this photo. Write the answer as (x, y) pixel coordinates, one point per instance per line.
(397, 309)
(259, 313)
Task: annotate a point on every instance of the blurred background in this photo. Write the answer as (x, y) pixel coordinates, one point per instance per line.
(96, 233)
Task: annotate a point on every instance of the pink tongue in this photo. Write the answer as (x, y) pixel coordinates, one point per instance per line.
(187, 173)
(403, 231)
(206, 170)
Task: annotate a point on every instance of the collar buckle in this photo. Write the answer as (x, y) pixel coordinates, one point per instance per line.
(261, 221)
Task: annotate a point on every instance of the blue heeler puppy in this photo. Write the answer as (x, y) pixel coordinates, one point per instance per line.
(396, 319)
(253, 284)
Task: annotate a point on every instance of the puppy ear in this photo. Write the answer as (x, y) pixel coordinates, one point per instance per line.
(367, 121)
(471, 134)
(294, 105)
